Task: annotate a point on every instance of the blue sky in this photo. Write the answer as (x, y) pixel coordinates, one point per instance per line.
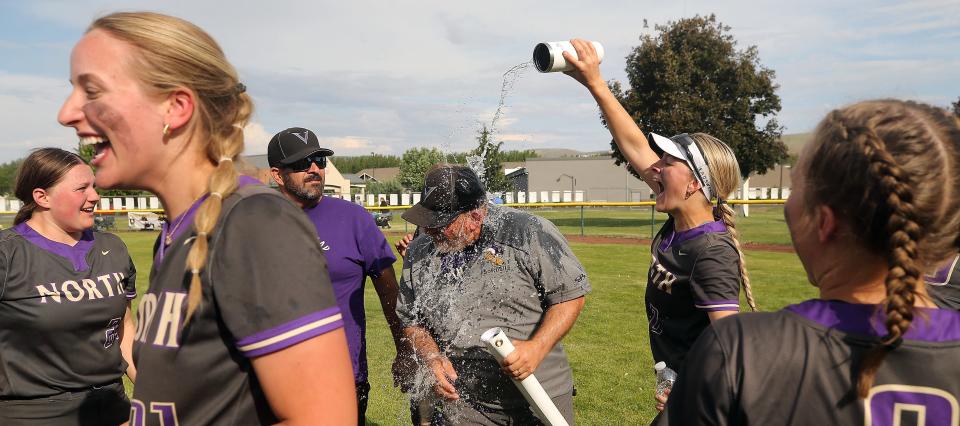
(378, 76)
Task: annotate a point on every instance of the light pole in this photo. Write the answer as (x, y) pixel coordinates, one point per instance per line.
(573, 185)
(782, 166)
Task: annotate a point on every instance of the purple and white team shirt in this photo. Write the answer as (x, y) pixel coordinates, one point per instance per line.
(800, 366)
(265, 288)
(944, 285)
(61, 312)
(692, 272)
(354, 249)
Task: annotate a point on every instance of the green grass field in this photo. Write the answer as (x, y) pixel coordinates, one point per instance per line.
(608, 347)
(765, 224)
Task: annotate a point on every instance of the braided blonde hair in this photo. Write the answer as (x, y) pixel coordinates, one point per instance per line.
(725, 177)
(906, 207)
(173, 53)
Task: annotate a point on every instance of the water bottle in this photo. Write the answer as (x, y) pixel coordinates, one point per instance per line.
(665, 377)
(548, 57)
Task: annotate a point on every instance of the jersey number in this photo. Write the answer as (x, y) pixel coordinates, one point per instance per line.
(889, 405)
(165, 411)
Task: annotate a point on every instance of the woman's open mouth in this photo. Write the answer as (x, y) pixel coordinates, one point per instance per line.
(100, 147)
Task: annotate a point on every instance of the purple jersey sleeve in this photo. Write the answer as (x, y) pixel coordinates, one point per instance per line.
(374, 247)
(130, 281)
(270, 278)
(715, 280)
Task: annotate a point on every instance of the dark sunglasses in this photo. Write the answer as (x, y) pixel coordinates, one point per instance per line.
(304, 164)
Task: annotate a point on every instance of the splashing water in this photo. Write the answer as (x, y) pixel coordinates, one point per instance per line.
(443, 297)
(510, 78)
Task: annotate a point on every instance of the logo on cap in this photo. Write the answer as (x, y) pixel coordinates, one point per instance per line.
(302, 136)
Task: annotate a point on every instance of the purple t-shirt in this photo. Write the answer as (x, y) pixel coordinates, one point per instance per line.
(355, 249)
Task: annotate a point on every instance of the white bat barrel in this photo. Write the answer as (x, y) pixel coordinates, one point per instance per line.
(548, 57)
(499, 345)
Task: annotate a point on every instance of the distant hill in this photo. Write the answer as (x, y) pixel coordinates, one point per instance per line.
(566, 153)
(796, 141)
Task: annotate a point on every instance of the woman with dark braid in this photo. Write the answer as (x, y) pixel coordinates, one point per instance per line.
(697, 265)
(875, 205)
(240, 324)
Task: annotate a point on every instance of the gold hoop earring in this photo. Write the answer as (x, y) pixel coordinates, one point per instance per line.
(166, 130)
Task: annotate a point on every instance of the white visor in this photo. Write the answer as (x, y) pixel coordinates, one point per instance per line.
(690, 155)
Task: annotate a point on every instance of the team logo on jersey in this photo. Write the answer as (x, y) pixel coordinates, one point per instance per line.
(112, 335)
(324, 246)
(661, 277)
(493, 255)
(105, 252)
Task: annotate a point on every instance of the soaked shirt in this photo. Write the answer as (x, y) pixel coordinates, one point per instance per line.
(691, 273)
(944, 285)
(265, 288)
(520, 266)
(798, 366)
(61, 312)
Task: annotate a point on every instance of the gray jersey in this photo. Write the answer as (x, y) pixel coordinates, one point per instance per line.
(944, 285)
(520, 266)
(799, 366)
(265, 288)
(691, 273)
(61, 312)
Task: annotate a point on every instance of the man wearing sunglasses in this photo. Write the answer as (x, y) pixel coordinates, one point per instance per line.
(352, 244)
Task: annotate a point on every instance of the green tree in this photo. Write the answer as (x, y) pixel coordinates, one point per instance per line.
(86, 152)
(8, 173)
(392, 186)
(489, 152)
(354, 164)
(692, 78)
(414, 165)
(956, 108)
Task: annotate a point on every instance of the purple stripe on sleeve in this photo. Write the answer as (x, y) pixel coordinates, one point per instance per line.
(76, 254)
(719, 308)
(717, 302)
(929, 325)
(327, 314)
(285, 343)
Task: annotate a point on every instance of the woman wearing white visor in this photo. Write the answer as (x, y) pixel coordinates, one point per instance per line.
(697, 267)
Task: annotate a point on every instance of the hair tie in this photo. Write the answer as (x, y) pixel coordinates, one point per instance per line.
(216, 194)
(721, 201)
(195, 271)
(225, 158)
(239, 88)
(202, 234)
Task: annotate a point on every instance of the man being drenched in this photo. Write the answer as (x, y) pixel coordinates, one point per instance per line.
(476, 266)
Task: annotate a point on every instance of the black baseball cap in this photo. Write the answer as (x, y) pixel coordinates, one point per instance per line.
(448, 191)
(292, 145)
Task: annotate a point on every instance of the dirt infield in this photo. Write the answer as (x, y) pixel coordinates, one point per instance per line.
(597, 239)
(594, 239)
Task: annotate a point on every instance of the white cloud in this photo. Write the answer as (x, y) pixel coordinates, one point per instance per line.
(396, 75)
(255, 139)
